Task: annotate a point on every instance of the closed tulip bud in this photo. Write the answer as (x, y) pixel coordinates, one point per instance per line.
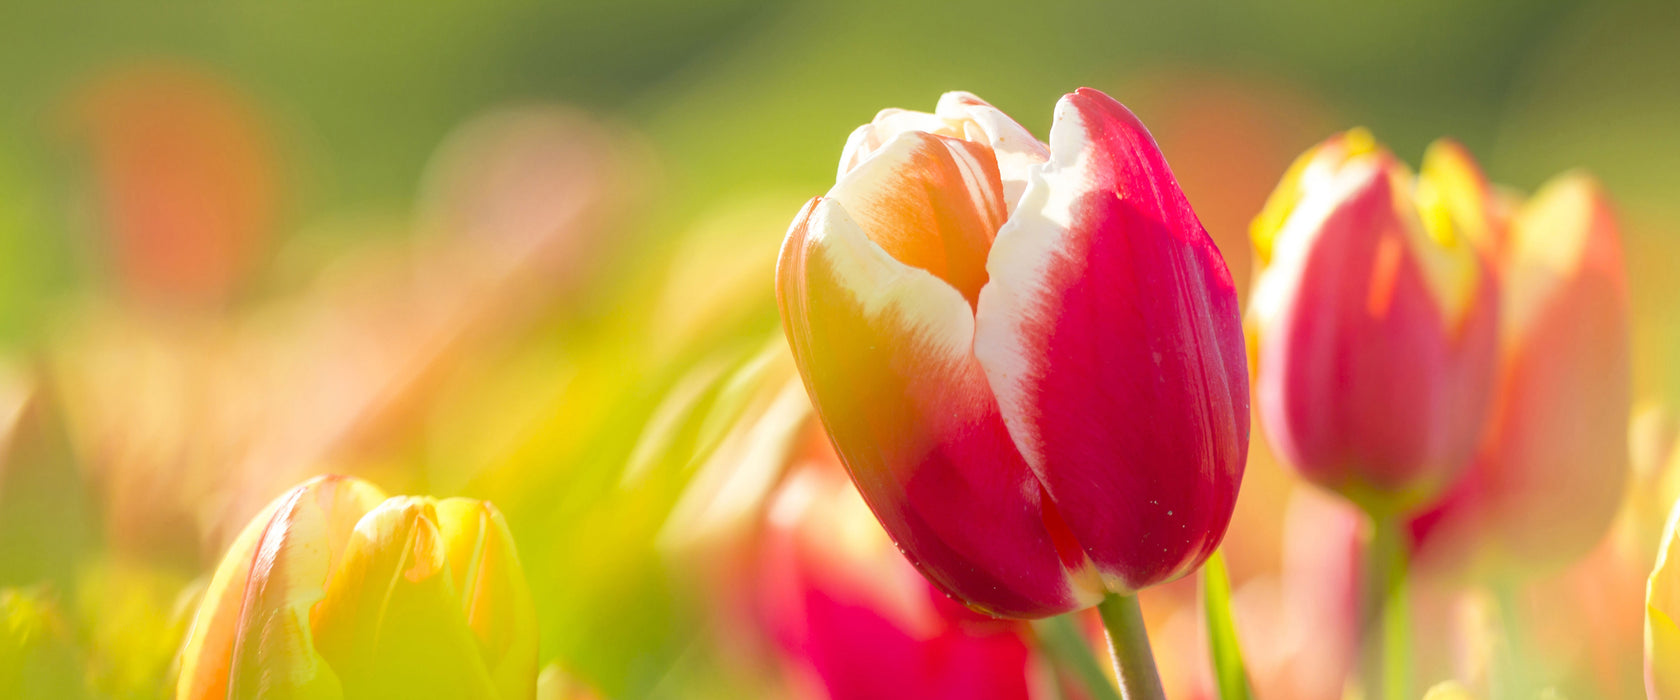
(1029, 357)
(335, 591)
(1373, 324)
(1549, 475)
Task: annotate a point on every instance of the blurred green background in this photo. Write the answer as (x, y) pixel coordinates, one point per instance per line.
(740, 97)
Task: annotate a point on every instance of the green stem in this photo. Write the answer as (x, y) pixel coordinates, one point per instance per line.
(1387, 658)
(1128, 641)
(1229, 672)
(1061, 640)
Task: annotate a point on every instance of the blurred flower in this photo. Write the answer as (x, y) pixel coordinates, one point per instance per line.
(1308, 650)
(336, 591)
(187, 180)
(1373, 323)
(519, 193)
(854, 621)
(1024, 455)
(1549, 476)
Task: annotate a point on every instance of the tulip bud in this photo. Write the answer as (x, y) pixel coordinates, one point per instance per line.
(1549, 475)
(1029, 357)
(334, 591)
(1662, 604)
(1373, 323)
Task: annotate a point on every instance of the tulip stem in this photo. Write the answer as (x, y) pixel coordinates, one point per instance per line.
(1070, 651)
(1387, 660)
(1128, 641)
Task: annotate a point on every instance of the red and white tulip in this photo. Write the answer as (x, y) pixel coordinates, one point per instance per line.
(1028, 356)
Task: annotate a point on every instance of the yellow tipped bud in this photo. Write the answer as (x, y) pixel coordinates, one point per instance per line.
(335, 591)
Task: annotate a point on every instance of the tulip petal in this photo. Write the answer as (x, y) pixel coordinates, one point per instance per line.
(885, 352)
(251, 634)
(495, 598)
(1018, 152)
(209, 646)
(1662, 601)
(1451, 186)
(1110, 335)
(888, 125)
(931, 202)
(390, 621)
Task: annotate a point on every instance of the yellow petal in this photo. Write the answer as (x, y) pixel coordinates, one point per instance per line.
(245, 630)
(1306, 172)
(495, 597)
(1662, 599)
(391, 623)
(1453, 193)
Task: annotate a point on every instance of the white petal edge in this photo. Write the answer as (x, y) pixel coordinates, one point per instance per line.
(865, 141)
(880, 284)
(1019, 153)
(1022, 253)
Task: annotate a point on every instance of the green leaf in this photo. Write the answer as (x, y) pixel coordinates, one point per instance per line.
(1223, 649)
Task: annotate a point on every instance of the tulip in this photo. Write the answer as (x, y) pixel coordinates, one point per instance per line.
(335, 591)
(1028, 357)
(1548, 478)
(1373, 331)
(1373, 322)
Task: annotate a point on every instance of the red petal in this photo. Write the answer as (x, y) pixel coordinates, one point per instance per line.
(1111, 337)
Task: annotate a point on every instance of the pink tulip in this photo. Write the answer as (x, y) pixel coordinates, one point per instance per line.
(1029, 357)
(1373, 321)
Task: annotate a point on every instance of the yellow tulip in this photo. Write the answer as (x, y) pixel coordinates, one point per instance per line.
(335, 591)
